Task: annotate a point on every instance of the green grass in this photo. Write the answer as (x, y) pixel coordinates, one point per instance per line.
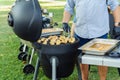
(11, 67)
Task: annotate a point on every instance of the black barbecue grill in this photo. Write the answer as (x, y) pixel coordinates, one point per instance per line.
(65, 56)
(57, 61)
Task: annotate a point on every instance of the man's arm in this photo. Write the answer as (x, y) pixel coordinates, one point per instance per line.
(66, 17)
(68, 12)
(116, 29)
(116, 15)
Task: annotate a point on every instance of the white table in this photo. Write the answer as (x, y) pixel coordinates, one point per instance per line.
(99, 60)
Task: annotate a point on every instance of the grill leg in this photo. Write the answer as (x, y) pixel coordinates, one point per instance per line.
(53, 59)
(24, 47)
(78, 61)
(36, 69)
(119, 71)
(79, 71)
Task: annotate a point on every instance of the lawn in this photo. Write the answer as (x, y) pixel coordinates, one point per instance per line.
(11, 67)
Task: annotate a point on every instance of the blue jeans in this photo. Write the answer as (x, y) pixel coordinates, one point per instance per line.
(85, 40)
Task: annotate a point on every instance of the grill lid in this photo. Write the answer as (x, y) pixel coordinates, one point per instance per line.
(25, 18)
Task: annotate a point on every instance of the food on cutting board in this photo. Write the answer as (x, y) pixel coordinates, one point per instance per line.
(100, 46)
(56, 40)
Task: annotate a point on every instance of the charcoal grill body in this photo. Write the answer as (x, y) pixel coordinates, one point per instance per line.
(65, 56)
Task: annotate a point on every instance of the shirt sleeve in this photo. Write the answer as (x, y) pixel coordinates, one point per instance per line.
(69, 6)
(113, 4)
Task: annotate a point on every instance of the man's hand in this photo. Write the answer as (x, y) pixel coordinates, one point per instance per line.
(66, 27)
(116, 32)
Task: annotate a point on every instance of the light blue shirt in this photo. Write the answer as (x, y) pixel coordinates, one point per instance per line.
(91, 16)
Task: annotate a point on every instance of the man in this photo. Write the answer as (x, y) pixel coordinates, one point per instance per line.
(91, 22)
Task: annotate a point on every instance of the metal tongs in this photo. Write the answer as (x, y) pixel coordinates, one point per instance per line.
(67, 34)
